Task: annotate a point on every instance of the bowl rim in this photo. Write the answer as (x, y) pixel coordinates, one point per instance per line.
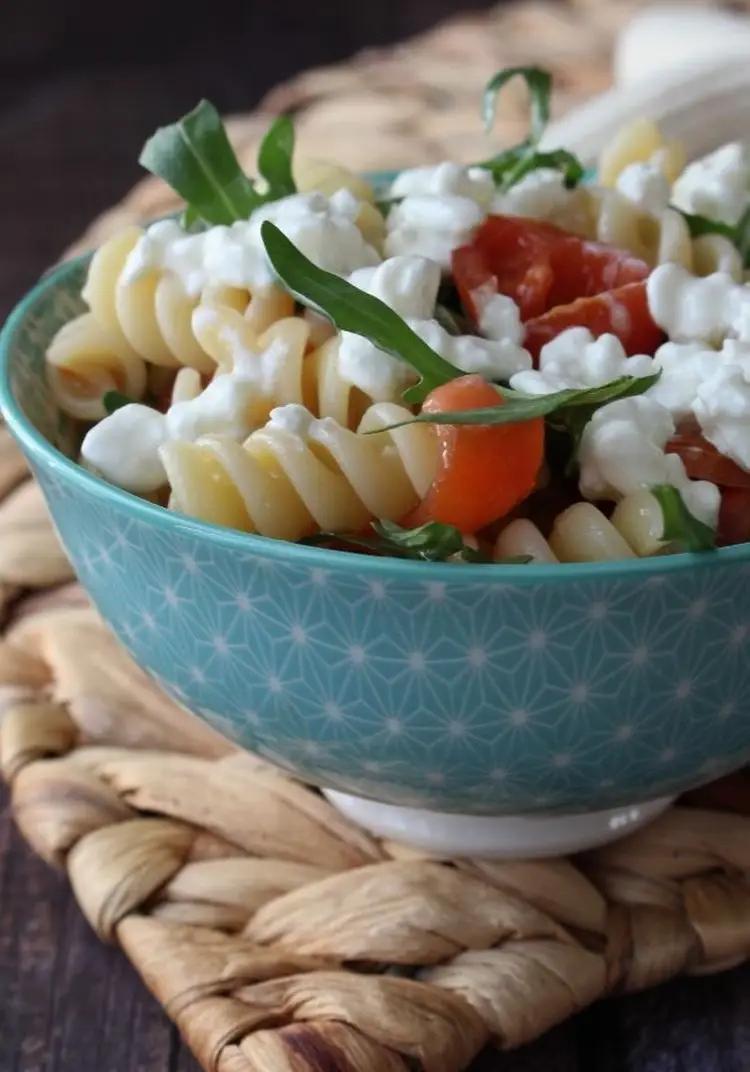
(40, 449)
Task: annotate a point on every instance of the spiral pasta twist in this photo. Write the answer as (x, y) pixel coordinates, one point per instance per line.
(662, 237)
(582, 533)
(152, 313)
(84, 361)
(308, 374)
(640, 142)
(290, 482)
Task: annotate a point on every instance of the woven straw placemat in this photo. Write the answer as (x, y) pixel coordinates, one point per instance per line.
(278, 937)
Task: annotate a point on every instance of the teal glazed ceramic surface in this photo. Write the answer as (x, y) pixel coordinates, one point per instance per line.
(479, 689)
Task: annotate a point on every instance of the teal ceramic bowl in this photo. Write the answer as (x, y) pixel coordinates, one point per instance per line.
(474, 689)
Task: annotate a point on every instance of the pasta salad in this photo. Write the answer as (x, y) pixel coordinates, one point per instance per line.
(505, 361)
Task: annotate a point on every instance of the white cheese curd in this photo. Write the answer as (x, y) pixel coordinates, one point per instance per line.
(408, 285)
(499, 316)
(447, 178)
(124, 448)
(722, 409)
(541, 193)
(235, 402)
(718, 185)
(683, 366)
(575, 359)
(378, 374)
(705, 309)
(645, 185)
(322, 228)
(432, 225)
(622, 450)
(495, 359)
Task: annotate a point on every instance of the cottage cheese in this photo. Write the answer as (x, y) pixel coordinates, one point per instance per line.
(622, 450)
(499, 316)
(124, 448)
(575, 359)
(722, 408)
(645, 186)
(718, 185)
(432, 225)
(441, 208)
(706, 309)
(409, 285)
(323, 228)
(474, 183)
(541, 194)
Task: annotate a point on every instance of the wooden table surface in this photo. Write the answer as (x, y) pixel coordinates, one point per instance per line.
(68, 1003)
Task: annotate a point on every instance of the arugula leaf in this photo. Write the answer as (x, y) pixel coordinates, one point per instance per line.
(742, 237)
(432, 542)
(189, 218)
(195, 157)
(539, 83)
(702, 225)
(571, 408)
(275, 157)
(113, 400)
(511, 165)
(680, 526)
(351, 309)
(739, 234)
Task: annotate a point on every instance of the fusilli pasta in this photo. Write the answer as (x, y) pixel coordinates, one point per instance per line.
(582, 533)
(289, 483)
(309, 376)
(85, 360)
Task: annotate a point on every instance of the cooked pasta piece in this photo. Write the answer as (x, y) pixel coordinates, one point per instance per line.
(84, 361)
(289, 482)
(312, 377)
(639, 142)
(583, 534)
(661, 237)
(323, 175)
(152, 314)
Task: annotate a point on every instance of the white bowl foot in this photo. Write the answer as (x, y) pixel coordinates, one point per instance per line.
(495, 836)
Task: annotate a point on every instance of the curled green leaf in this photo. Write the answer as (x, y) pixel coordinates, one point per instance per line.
(351, 309)
(681, 528)
(539, 84)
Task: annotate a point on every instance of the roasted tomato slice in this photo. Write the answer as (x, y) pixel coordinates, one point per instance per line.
(538, 265)
(623, 312)
(483, 471)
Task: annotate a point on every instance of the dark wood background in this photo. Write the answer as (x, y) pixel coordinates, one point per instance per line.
(83, 83)
(81, 86)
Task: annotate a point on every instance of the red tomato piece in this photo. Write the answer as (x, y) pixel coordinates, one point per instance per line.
(484, 471)
(538, 265)
(734, 516)
(624, 312)
(703, 461)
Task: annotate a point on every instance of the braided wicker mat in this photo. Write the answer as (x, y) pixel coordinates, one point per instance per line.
(275, 935)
